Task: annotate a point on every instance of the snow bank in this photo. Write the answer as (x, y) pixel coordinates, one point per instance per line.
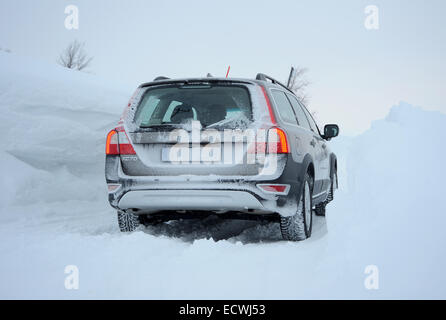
(388, 211)
(54, 121)
(393, 215)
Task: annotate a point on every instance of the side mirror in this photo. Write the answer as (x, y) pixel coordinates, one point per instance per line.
(330, 131)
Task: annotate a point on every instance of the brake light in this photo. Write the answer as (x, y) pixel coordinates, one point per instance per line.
(270, 108)
(277, 141)
(118, 143)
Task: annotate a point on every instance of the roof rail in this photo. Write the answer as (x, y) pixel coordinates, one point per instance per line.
(161, 78)
(264, 77)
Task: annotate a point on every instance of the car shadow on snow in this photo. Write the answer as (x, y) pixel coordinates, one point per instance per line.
(231, 230)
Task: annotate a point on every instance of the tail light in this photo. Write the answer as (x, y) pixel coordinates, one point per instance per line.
(125, 147)
(112, 144)
(118, 143)
(277, 141)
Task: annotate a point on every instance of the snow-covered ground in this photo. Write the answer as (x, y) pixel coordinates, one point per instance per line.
(389, 211)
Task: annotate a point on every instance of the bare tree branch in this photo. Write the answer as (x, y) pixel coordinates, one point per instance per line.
(74, 56)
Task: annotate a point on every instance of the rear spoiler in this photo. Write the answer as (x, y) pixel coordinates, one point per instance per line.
(194, 80)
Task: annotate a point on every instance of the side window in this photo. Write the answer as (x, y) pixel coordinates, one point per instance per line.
(301, 117)
(284, 108)
(311, 120)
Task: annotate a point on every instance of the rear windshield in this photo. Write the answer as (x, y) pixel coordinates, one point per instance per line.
(213, 105)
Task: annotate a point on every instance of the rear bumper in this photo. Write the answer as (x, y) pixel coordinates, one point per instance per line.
(208, 193)
(193, 195)
(148, 200)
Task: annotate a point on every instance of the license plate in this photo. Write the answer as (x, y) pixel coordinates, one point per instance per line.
(177, 154)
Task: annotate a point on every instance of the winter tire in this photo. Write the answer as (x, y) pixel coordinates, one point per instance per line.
(298, 226)
(128, 221)
(333, 186)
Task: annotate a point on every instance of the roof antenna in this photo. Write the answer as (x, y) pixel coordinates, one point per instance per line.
(227, 72)
(291, 77)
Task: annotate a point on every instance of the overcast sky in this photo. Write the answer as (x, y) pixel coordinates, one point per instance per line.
(356, 74)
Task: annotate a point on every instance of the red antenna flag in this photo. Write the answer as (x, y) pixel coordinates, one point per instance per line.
(227, 72)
